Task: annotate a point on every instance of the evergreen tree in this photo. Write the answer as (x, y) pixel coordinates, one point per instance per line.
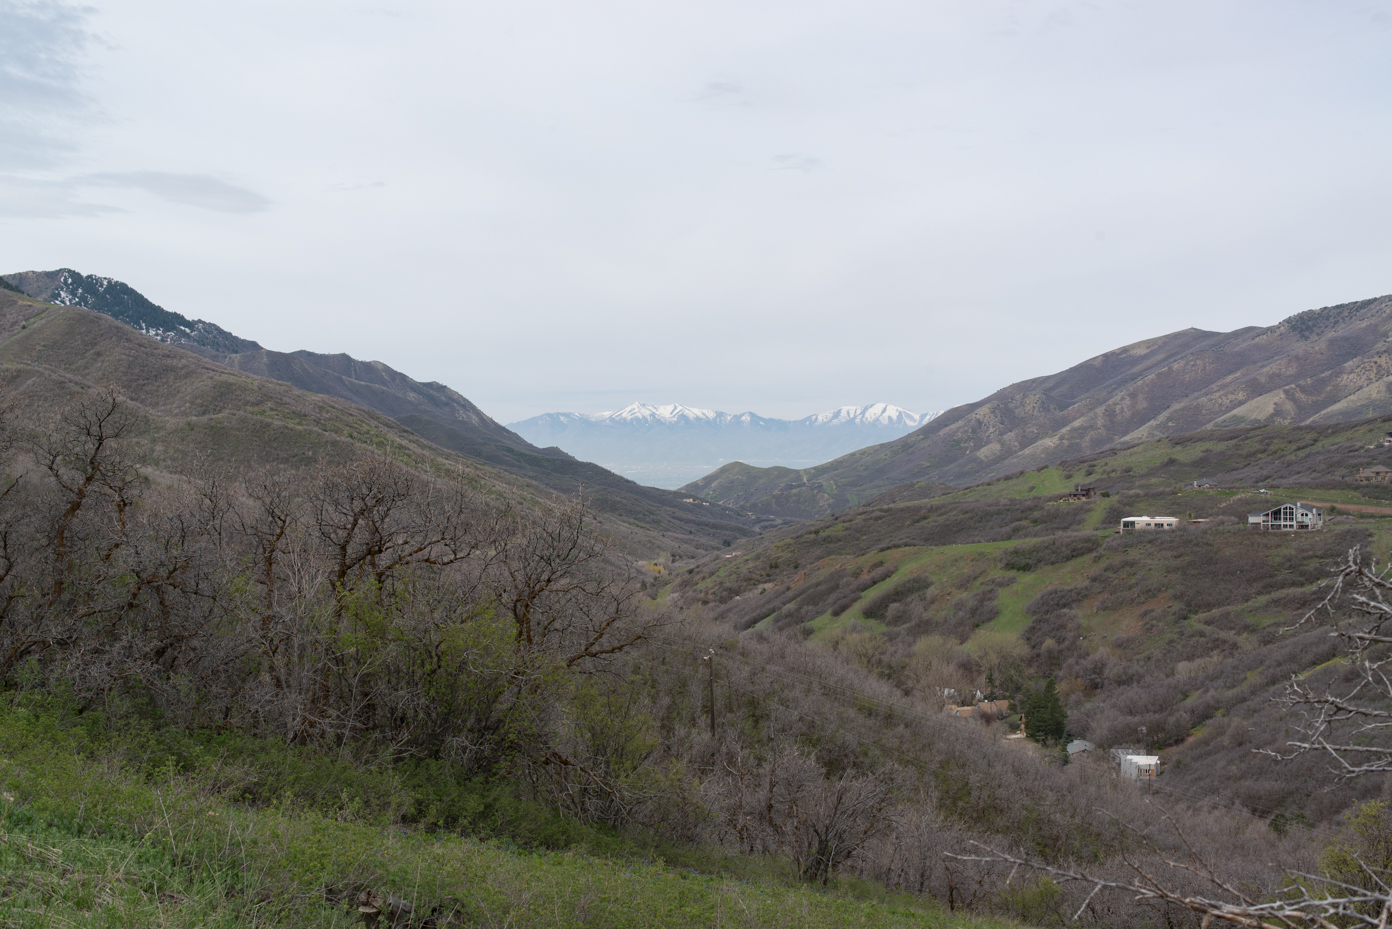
(1045, 721)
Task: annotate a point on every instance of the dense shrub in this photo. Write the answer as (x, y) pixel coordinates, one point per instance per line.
(876, 607)
(1054, 550)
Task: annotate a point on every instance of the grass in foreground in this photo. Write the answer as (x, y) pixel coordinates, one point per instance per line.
(92, 835)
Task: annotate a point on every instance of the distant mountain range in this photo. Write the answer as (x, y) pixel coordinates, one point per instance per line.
(667, 446)
(655, 519)
(1321, 366)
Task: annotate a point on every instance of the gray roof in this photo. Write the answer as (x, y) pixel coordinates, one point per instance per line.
(1302, 507)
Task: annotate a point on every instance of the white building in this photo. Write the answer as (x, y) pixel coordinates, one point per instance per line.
(1288, 517)
(1147, 523)
(1139, 767)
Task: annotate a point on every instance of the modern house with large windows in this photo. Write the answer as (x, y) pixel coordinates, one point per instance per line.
(1288, 516)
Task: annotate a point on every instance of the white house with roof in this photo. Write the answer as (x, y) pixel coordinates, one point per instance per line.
(1140, 767)
(1147, 523)
(1288, 517)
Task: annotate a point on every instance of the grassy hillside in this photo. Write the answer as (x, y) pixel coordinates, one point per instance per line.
(128, 828)
(1001, 585)
(1321, 366)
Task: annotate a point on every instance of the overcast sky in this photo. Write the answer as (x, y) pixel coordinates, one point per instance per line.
(779, 207)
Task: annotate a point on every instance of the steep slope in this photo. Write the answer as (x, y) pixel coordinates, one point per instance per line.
(1189, 633)
(669, 445)
(189, 408)
(366, 383)
(451, 421)
(374, 385)
(1327, 365)
(430, 410)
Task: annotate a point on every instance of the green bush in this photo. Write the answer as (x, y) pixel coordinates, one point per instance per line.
(132, 825)
(879, 604)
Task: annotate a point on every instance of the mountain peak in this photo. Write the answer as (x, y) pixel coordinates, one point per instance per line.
(667, 413)
(873, 414)
(66, 287)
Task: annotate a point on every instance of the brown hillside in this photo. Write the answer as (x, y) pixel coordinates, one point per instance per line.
(1320, 366)
(189, 407)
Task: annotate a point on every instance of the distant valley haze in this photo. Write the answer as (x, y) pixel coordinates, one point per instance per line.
(672, 445)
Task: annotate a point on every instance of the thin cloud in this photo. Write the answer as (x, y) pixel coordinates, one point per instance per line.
(342, 188)
(41, 45)
(41, 49)
(723, 91)
(803, 163)
(200, 190)
(29, 198)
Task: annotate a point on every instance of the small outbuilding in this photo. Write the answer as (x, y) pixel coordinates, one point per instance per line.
(1148, 523)
(1288, 517)
(1079, 747)
(1139, 767)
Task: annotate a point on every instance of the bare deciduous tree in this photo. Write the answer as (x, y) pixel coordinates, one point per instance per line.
(375, 605)
(1347, 718)
(556, 580)
(785, 804)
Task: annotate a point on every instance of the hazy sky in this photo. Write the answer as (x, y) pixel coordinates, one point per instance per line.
(782, 207)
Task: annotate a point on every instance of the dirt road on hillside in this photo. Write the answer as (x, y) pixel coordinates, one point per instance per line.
(1354, 507)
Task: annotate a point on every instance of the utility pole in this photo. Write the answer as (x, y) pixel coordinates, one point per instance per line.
(1149, 771)
(709, 658)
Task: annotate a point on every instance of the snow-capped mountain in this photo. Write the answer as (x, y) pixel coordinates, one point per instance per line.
(671, 445)
(670, 413)
(876, 414)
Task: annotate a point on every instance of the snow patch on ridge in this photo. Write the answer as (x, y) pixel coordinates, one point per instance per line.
(873, 414)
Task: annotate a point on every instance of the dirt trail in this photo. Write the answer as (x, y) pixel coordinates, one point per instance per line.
(1354, 507)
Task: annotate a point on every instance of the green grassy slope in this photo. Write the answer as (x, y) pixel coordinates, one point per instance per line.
(1182, 632)
(130, 830)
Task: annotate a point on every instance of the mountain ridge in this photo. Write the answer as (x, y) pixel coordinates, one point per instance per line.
(120, 301)
(1333, 364)
(431, 411)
